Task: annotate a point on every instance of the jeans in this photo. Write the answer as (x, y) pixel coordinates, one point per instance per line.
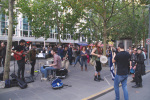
(123, 80)
(109, 61)
(32, 64)
(21, 67)
(83, 61)
(45, 71)
(77, 60)
(70, 59)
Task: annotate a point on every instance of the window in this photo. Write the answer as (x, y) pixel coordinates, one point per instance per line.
(25, 26)
(25, 33)
(56, 31)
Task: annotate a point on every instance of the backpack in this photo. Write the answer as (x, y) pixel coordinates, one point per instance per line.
(7, 83)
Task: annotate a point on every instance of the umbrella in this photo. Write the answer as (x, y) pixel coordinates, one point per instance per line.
(82, 44)
(102, 45)
(91, 44)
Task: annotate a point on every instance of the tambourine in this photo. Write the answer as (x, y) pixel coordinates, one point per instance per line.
(103, 59)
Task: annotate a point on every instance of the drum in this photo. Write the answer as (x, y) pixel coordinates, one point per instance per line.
(103, 59)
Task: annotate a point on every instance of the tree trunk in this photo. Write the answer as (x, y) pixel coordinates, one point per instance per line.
(9, 42)
(105, 39)
(105, 30)
(144, 39)
(58, 26)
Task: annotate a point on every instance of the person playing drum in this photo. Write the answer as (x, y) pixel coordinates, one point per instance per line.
(96, 54)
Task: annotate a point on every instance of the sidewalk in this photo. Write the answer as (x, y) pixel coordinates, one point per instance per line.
(134, 93)
(83, 85)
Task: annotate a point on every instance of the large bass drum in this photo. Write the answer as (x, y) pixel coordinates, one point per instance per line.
(103, 59)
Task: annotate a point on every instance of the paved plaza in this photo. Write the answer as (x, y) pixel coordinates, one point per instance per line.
(82, 82)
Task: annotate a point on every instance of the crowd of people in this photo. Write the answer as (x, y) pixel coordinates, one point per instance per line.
(127, 62)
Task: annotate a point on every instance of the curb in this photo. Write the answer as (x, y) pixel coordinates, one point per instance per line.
(95, 96)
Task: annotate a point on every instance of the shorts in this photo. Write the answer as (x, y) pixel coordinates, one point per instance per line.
(98, 66)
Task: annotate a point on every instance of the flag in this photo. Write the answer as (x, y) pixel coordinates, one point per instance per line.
(112, 68)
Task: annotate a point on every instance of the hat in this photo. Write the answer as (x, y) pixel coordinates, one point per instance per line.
(139, 49)
(22, 40)
(55, 49)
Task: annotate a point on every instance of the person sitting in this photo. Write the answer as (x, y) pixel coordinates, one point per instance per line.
(56, 64)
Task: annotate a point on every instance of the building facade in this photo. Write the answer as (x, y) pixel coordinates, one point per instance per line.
(23, 31)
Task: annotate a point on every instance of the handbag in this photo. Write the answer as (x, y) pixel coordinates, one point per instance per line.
(92, 62)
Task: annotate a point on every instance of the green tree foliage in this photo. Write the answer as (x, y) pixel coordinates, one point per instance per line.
(135, 24)
(100, 17)
(45, 15)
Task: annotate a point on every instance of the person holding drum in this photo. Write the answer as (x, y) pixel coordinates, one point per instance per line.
(96, 54)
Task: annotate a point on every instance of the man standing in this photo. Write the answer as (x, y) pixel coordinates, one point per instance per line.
(70, 54)
(122, 59)
(139, 69)
(21, 62)
(65, 62)
(78, 56)
(3, 53)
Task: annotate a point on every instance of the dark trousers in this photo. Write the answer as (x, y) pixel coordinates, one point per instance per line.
(0, 61)
(70, 59)
(21, 67)
(32, 64)
(3, 62)
(138, 78)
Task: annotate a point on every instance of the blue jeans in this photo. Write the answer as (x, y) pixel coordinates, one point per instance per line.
(123, 80)
(83, 61)
(45, 71)
(109, 61)
(77, 60)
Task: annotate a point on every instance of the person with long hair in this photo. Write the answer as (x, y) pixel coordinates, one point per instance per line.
(96, 54)
(83, 58)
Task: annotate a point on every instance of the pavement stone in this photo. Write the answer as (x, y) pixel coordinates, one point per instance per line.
(83, 85)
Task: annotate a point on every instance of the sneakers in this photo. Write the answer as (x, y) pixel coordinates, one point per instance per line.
(44, 79)
(135, 86)
(95, 79)
(81, 68)
(100, 79)
(85, 68)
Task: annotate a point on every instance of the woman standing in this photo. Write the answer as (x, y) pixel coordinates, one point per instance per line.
(83, 58)
(96, 54)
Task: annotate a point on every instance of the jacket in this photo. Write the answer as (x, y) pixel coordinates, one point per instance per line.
(140, 67)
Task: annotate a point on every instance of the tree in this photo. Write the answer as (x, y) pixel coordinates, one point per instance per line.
(45, 15)
(103, 14)
(9, 41)
(135, 26)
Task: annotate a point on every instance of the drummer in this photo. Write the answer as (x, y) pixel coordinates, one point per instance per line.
(96, 54)
(56, 64)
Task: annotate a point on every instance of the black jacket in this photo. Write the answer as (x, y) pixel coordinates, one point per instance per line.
(140, 68)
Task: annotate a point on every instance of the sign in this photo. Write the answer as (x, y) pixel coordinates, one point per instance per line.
(148, 41)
